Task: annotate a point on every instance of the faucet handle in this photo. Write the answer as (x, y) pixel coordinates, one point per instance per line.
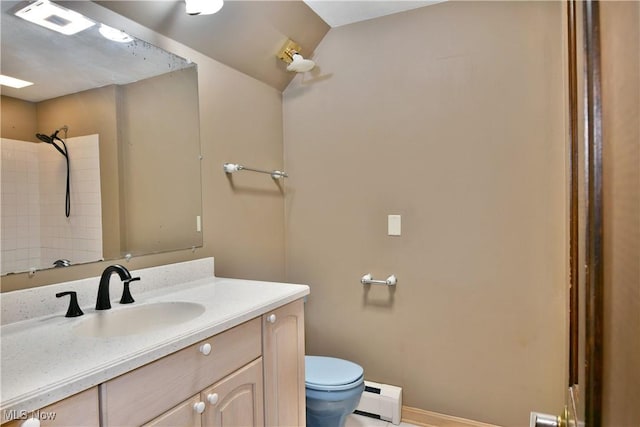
(126, 293)
(74, 309)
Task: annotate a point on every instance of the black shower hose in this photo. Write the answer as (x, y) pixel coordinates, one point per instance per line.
(67, 200)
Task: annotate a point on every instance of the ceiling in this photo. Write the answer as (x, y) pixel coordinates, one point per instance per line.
(338, 13)
(247, 35)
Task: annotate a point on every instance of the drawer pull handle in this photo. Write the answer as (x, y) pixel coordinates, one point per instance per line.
(199, 407)
(205, 349)
(271, 318)
(213, 398)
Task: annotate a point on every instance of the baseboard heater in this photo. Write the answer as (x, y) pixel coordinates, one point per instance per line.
(381, 401)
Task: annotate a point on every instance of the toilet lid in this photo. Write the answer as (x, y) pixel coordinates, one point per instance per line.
(330, 373)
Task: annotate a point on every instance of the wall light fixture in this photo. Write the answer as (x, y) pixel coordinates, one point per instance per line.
(290, 53)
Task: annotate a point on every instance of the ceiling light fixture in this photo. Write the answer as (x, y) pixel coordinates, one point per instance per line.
(203, 7)
(290, 53)
(55, 17)
(114, 34)
(13, 82)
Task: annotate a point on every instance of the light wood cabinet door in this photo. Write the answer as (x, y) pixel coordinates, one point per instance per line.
(78, 410)
(237, 400)
(283, 358)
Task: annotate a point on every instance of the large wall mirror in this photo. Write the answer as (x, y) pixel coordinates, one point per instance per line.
(127, 112)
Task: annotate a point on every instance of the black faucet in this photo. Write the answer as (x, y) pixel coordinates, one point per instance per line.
(103, 302)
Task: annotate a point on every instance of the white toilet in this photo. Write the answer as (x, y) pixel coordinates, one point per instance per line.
(333, 389)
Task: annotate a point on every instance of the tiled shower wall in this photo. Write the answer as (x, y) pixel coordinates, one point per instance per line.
(35, 230)
(20, 205)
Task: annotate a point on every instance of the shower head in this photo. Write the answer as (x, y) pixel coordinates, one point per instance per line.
(44, 138)
(51, 140)
(54, 135)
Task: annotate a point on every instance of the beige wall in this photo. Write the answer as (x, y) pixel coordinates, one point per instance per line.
(453, 117)
(160, 150)
(18, 119)
(620, 41)
(240, 121)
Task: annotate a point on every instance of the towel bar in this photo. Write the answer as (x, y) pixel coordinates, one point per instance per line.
(233, 167)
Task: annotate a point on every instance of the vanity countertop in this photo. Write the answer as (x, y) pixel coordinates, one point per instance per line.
(44, 360)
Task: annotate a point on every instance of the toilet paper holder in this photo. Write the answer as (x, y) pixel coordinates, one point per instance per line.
(367, 279)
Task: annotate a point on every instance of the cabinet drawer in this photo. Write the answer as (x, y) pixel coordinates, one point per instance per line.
(140, 395)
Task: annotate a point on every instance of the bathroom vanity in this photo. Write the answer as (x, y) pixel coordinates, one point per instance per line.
(239, 362)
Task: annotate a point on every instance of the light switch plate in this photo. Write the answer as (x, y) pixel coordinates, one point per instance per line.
(394, 225)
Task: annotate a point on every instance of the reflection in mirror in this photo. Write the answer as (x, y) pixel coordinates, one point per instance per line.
(130, 113)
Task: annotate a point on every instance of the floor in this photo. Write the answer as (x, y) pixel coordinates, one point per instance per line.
(360, 421)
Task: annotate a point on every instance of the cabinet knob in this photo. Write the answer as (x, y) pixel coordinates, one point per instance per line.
(271, 318)
(205, 349)
(213, 398)
(30, 422)
(199, 407)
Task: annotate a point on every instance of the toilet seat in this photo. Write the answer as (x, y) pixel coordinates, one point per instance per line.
(331, 374)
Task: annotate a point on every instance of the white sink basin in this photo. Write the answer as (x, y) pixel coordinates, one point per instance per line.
(138, 319)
